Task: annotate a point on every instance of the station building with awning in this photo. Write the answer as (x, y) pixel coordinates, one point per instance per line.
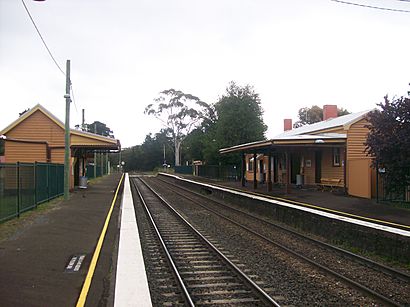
(38, 136)
(331, 152)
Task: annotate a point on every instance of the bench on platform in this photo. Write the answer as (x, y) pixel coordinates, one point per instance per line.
(331, 183)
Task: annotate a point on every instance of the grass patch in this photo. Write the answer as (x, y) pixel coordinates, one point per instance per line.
(10, 228)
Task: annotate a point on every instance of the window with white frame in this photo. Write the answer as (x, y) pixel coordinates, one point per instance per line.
(250, 165)
(2, 147)
(336, 156)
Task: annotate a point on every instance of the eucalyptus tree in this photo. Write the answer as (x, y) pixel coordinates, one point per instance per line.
(179, 113)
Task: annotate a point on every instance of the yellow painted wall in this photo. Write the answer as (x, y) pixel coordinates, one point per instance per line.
(309, 172)
(359, 180)
(38, 127)
(57, 155)
(356, 137)
(328, 170)
(25, 152)
(356, 151)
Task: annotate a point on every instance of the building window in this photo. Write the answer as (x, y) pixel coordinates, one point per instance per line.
(250, 165)
(336, 156)
(2, 147)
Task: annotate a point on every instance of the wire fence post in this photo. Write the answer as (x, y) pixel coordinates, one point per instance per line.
(35, 183)
(18, 188)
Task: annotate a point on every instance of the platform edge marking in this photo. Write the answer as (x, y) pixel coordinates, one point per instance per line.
(87, 283)
(305, 207)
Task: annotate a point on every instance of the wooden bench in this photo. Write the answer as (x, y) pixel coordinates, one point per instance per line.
(331, 183)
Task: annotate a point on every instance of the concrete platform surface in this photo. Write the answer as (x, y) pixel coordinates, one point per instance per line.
(368, 208)
(40, 261)
(131, 286)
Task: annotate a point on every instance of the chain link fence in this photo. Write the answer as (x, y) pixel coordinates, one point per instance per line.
(25, 185)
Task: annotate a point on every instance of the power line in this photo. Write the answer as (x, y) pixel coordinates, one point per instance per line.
(374, 7)
(49, 52)
(72, 93)
(42, 39)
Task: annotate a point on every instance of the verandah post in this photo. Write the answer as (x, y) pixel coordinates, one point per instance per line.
(269, 172)
(243, 169)
(255, 184)
(18, 188)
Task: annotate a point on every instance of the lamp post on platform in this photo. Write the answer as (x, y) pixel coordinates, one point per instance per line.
(67, 134)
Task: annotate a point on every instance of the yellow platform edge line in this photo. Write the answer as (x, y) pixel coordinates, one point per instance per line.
(87, 283)
(315, 207)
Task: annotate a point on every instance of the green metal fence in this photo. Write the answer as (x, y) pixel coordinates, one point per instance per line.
(100, 171)
(221, 172)
(184, 169)
(25, 185)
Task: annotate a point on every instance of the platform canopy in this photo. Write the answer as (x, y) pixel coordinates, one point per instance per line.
(38, 135)
(322, 134)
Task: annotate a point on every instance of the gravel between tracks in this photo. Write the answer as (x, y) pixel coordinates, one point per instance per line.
(298, 283)
(163, 288)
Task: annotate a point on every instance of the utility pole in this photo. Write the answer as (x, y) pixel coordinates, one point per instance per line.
(95, 154)
(67, 133)
(83, 122)
(119, 161)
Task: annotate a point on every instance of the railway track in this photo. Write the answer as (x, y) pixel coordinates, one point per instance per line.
(380, 293)
(202, 273)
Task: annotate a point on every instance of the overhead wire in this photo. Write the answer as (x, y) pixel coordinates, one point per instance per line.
(49, 52)
(42, 39)
(72, 94)
(373, 7)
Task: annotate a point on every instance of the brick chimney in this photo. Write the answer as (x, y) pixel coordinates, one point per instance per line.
(287, 124)
(329, 111)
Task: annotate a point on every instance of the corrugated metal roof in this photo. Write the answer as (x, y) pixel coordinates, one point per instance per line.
(40, 108)
(313, 136)
(305, 133)
(340, 121)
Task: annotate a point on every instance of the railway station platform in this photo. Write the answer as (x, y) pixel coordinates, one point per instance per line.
(326, 200)
(45, 256)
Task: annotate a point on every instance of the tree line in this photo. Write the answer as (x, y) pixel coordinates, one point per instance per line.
(194, 130)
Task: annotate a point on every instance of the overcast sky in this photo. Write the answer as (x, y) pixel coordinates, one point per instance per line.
(295, 53)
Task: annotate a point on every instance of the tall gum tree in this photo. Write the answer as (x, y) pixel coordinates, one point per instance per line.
(179, 113)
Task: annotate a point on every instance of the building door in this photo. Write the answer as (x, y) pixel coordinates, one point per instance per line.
(76, 172)
(294, 167)
(275, 169)
(261, 173)
(318, 166)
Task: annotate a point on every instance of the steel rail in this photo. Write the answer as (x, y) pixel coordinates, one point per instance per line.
(379, 266)
(263, 295)
(181, 283)
(357, 285)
